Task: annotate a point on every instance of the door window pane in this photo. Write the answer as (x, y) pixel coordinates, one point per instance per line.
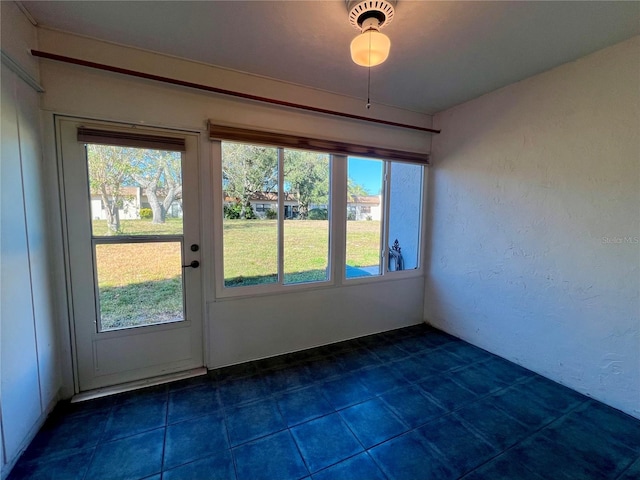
(250, 238)
(306, 225)
(405, 214)
(139, 284)
(364, 217)
(134, 191)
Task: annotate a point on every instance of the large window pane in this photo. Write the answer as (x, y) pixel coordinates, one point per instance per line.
(134, 191)
(250, 238)
(139, 284)
(405, 214)
(306, 207)
(364, 217)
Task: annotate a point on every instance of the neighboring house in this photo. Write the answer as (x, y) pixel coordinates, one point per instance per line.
(133, 199)
(262, 202)
(358, 207)
(364, 207)
(131, 204)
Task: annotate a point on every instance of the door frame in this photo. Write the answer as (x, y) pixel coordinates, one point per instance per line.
(196, 321)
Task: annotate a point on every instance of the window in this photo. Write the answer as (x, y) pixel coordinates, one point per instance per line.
(405, 215)
(285, 241)
(277, 229)
(364, 233)
(383, 217)
(137, 249)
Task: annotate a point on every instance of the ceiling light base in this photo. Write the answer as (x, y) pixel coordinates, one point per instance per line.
(361, 10)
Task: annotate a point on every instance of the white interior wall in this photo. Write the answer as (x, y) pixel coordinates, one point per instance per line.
(535, 224)
(29, 367)
(277, 324)
(260, 327)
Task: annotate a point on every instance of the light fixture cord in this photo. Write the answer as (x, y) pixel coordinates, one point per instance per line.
(369, 90)
(369, 79)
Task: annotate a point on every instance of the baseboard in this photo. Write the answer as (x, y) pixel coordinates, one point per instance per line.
(137, 385)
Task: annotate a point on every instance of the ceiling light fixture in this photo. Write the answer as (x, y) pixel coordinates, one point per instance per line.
(370, 47)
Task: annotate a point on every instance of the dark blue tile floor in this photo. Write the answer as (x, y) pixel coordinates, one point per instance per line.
(407, 404)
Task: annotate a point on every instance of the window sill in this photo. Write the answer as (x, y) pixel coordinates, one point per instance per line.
(244, 293)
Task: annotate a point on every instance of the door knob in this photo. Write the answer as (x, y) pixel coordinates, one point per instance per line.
(194, 264)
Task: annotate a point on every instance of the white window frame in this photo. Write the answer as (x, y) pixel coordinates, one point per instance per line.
(386, 274)
(337, 233)
(271, 288)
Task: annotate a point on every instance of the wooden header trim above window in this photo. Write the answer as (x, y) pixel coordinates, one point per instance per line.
(233, 134)
(130, 139)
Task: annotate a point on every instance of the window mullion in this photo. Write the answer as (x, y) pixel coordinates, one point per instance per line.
(338, 217)
(386, 188)
(281, 202)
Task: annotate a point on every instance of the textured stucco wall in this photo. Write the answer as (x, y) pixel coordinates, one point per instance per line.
(534, 224)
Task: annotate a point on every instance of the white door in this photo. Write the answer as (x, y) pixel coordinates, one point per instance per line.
(131, 208)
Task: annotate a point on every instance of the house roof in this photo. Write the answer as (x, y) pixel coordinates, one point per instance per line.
(368, 200)
(271, 197)
(128, 191)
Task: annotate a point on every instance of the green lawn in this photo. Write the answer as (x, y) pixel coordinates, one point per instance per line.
(251, 250)
(173, 226)
(140, 283)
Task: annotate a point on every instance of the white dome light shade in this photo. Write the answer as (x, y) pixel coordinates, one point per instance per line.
(370, 48)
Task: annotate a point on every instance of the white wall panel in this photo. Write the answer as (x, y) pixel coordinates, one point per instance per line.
(37, 215)
(29, 356)
(19, 375)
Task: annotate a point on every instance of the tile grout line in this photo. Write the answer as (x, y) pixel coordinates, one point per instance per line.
(627, 468)
(166, 432)
(531, 435)
(223, 409)
(95, 448)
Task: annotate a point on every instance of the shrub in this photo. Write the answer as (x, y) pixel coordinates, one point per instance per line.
(318, 214)
(271, 214)
(146, 213)
(232, 212)
(248, 213)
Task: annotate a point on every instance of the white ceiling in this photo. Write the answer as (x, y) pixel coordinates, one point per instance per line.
(442, 53)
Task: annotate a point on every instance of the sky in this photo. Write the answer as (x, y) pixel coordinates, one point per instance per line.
(367, 173)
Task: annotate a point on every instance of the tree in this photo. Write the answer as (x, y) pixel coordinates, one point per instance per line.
(307, 177)
(355, 190)
(159, 173)
(247, 170)
(110, 170)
